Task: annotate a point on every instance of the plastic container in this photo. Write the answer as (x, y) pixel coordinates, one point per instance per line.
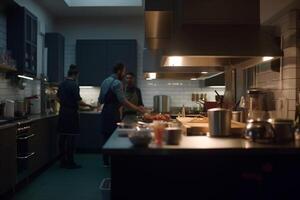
(105, 188)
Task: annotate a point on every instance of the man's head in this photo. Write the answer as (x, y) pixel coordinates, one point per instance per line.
(120, 70)
(130, 79)
(73, 72)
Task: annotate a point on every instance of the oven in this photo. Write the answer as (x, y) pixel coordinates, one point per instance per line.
(24, 154)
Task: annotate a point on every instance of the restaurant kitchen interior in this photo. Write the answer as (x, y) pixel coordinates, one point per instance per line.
(220, 92)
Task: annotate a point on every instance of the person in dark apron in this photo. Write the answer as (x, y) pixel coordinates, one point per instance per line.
(133, 94)
(68, 120)
(112, 97)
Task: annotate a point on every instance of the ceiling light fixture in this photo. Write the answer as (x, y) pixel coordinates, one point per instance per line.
(104, 3)
(25, 77)
(267, 58)
(175, 61)
(204, 72)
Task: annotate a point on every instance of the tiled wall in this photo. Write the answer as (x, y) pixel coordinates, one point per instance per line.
(129, 28)
(286, 83)
(9, 90)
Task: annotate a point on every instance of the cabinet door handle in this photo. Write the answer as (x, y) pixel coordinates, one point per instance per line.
(27, 156)
(26, 137)
(24, 128)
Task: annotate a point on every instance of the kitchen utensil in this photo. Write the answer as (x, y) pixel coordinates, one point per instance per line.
(283, 129)
(161, 104)
(259, 131)
(219, 98)
(219, 120)
(173, 135)
(9, 109)
(140, 137)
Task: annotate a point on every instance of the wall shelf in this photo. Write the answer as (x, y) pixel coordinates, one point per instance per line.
(7, 68)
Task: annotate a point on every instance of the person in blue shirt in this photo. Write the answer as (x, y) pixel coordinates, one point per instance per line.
(68, 120)
(112, 97)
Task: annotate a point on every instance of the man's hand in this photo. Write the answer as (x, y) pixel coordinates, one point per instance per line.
(142, 109)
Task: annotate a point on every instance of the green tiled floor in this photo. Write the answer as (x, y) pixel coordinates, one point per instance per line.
(63, 184)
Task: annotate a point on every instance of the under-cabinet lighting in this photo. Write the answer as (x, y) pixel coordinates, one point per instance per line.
(151, 76)
(25, 77)
(104, 3)
(204, 72)
(267, 58)
(217, 86)
(174, 61)
(193, 79)
(86, 87)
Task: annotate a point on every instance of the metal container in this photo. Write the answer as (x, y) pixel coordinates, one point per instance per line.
(259, 131)
(161, 104)
(173, 135)
(237, 116)
(283, 130)
(219, 120)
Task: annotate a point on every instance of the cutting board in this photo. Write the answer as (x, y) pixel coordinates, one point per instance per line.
(194, 126)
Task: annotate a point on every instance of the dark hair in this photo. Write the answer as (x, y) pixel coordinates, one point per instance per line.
(118, 67)
(131, 74)
(73, 70)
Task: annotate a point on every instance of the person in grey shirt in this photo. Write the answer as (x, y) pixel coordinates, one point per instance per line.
(112, 97)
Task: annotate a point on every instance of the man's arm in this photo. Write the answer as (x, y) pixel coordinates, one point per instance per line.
(118, 90)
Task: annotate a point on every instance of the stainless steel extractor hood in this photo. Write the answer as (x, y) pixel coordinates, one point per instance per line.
(203, 44)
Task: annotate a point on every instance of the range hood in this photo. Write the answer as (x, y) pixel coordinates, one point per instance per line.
(206, 44)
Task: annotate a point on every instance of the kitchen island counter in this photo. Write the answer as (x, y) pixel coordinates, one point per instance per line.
(117, 145)
(203, 168)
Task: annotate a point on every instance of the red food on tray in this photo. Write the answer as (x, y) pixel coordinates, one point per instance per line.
(160, 117)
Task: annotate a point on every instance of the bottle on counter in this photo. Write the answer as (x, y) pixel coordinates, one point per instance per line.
(183, 111)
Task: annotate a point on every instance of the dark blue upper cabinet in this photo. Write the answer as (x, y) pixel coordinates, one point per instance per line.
(55, 42)
(22, 38)
(91, 58)
(96, 58)
(124, 51)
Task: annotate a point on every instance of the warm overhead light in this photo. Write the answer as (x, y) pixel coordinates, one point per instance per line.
(175, 61)
(151, 76)
(217, 86)
(204, 72)
(103, 3)
(86, 87)
(25, 77)
(267, 58)
(193, 79)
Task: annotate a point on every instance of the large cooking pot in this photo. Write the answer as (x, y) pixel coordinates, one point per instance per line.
(161, 104)
(219, 120)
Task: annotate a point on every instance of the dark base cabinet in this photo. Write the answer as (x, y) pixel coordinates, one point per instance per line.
(8, 164)
(44, 144)
(90, 139)
(205, 177)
